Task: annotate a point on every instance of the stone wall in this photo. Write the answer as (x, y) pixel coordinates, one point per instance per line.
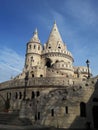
(51, 101)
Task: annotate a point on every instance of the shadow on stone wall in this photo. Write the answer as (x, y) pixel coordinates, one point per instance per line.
(90, 121)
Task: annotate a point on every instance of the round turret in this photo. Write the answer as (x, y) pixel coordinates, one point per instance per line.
(33, 52)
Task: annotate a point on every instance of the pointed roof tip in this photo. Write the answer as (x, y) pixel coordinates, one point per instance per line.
(54, 34)
(54, 21)
(36, 31)
(35, 37)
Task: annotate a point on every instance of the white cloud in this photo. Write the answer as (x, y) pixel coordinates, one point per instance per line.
(11, 63)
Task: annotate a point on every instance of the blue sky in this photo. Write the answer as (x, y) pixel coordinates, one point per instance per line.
(77, 21)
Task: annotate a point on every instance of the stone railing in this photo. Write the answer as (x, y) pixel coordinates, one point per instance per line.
(38, 82)
(57, 50)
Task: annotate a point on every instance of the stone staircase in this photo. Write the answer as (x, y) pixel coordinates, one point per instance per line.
(13, 119)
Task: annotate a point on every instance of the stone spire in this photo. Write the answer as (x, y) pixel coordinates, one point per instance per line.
(55, 35)
(55, 41)
(35, 37)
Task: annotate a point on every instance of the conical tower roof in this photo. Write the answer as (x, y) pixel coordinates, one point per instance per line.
(35, 37)
(55, 41)
(55, 35)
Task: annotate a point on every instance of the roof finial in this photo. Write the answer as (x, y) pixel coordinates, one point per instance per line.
(35, 37)
(36, 32)
(54, 21)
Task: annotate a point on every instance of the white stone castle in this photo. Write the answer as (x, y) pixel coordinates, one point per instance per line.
(50, 91)
(51, 60)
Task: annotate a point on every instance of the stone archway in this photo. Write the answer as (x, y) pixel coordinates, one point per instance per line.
(95, 116)
(48, 62)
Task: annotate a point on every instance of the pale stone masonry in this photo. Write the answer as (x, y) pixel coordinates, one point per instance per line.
(58, 93)
(51, 59)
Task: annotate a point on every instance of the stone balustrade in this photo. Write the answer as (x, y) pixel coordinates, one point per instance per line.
(57, 50)
(40, 81)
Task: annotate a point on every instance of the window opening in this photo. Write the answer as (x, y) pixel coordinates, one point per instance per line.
(20, 95)
(16, 95)
(30, 46)
(9, 95)
(52, 112)
(66, 109)
(41, 75)
(48, 63)
(38, 115)
(37, 93)
(34, 46)
(82, 109)
(32, 58)
(32, 75)
(35, 117)
(33, 95)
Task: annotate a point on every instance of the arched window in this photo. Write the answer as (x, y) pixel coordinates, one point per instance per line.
(32, 75)
(16, 95)
(49, 46)
(38, 115)
(32, 59)
(35, 117)
(37, 93)
(66, 109)
(59, 46)
(34, 46)
(82, 109)
(52, 112)
(20, 95)
(29, 46)
(33, 95)
(48, 62)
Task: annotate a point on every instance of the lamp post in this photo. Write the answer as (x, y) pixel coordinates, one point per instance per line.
(26, 81)
(88, 62)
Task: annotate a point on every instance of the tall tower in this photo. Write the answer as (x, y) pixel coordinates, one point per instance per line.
(55, 41)
(33, 52)
(56, 53)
